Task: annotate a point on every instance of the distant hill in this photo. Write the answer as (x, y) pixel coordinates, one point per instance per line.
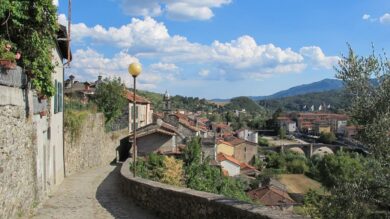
(319, 86)
(337, 99)
(239, 103)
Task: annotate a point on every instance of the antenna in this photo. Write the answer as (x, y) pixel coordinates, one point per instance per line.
(69, 26)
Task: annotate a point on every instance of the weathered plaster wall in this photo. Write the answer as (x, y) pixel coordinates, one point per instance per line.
(175, 202)
(153, 143)
(94, 147)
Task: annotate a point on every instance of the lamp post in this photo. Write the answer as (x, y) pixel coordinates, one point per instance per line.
(134, 70)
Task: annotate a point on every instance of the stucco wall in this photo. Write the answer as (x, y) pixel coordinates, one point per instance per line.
(153, 143)
(233, 169)
(176, 202)
(94, 147)
(226, 149)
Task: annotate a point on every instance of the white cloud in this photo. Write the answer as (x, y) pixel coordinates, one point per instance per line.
(174, 9)
(317, 58)
(147, 39)
(204, 72)
(366, 17)
(62, 19)
(385, 19)
(56, 3)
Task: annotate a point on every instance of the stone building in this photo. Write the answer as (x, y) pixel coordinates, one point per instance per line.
(242, 150)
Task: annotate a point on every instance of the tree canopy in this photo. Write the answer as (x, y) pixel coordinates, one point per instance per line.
(32, 27)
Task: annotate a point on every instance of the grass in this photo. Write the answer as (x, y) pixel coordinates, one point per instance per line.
(299, 183)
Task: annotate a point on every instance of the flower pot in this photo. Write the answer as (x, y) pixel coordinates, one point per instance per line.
(7, 64)
(43, 113)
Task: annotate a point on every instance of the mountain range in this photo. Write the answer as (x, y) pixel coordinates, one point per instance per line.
(319, 86)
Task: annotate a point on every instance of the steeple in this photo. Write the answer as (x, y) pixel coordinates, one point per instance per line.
(167, 102)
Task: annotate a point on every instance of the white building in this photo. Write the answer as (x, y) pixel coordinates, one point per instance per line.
(248, 135)
(229, 164)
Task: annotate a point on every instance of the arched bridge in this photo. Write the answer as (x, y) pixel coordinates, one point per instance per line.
(316, 149)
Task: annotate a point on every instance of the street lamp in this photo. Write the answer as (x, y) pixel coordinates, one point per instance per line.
(134, 70)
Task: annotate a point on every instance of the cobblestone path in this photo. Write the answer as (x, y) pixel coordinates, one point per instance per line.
(91, 194)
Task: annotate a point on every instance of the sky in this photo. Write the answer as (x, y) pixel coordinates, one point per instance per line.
(221, 48)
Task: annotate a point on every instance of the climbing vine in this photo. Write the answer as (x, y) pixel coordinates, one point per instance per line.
(32, 27)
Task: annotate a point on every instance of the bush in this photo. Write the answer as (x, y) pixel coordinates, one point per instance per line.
(263, 142)
(73, 122)
(173, 171)
(327, 138)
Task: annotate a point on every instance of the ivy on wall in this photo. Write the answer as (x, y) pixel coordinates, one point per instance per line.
(32, 27)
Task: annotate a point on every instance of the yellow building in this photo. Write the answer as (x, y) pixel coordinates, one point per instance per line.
(225, 148)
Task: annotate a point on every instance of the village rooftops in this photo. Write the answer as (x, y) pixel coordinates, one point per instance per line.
(222, 157)
(159, 127)
(139, 100)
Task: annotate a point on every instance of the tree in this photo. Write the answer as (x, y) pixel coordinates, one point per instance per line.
(360, 189)
(327, 138)
(109, 98)
(282, 133)
(173, 171)
(193, 152)
(32, 27)
(367, 79)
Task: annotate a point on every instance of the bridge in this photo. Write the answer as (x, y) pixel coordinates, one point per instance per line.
(316, 149)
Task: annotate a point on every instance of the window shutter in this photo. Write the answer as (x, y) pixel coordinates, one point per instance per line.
(60, 98)
(56, 97)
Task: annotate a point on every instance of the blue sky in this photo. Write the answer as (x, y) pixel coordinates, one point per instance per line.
(222, 48)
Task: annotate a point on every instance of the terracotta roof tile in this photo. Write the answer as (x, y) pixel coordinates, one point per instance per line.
(221, 157)
(130, 96)
(271, 196)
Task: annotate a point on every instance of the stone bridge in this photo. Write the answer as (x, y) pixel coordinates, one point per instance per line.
(315, 149)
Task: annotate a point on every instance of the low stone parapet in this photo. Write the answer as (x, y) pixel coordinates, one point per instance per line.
(168, 201)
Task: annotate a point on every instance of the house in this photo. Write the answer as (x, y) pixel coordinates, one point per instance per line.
(321, 127)
(306, 121)
(248, 135)
(287, 124)
(49, 125)
(229, 164)
(143, 111)
(273, 197)
(83, 91)
(158, 137)
(242, 150)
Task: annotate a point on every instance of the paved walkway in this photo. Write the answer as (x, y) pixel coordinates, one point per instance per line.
(92, 194)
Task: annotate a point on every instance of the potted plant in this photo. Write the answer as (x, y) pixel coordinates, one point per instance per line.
(7, 57)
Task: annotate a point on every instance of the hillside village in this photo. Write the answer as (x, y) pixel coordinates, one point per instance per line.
(238, 153)
(101, 148)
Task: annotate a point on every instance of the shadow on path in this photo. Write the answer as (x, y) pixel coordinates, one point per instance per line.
(111, 197)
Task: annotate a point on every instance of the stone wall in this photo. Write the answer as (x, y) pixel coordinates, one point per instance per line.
(18, 186)
(175, 202)
(94, 147)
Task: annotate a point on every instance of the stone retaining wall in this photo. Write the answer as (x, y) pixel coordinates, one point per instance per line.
(94, 147)
(168, 201)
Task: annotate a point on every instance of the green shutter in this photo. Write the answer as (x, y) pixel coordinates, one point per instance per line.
(136, 112)
(60, 98)
(56, 97)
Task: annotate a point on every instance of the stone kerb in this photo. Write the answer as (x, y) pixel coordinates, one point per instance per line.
(168, 201)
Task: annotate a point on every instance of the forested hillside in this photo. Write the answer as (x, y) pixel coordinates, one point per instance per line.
(337, 99)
